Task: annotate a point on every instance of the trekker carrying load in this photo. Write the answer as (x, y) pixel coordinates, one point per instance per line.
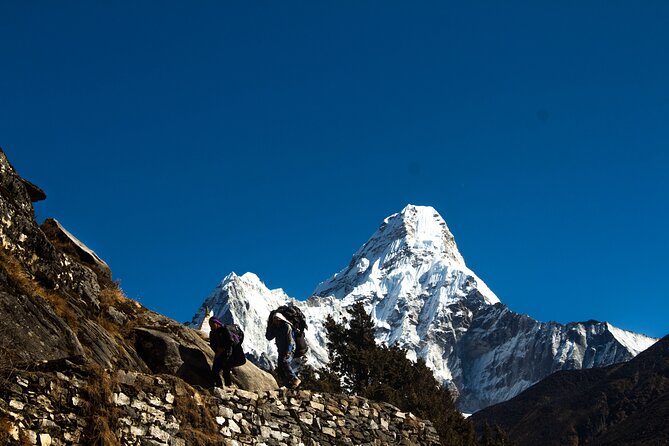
(226, 342)
(286, 326)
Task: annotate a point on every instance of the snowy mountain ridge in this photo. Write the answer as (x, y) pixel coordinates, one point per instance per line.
(413, 280)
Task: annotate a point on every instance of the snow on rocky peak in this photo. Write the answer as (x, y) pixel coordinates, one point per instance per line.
(634, 342)
(246, 301)
(412, 246)
(414, 282)
(417, 229)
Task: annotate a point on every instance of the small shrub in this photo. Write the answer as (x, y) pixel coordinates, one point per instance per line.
(197, 424)
(27, 285)
(101, 433)
(5, 429)
(99, 409)
(113, 296)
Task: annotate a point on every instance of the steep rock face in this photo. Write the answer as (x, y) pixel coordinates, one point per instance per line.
(624, 403)
(58, 302)
(41, 333)
(33, 272)
(22, 239)
(413, 280)
(503, 352)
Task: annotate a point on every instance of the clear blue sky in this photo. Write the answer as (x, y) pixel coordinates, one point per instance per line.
(185, 140)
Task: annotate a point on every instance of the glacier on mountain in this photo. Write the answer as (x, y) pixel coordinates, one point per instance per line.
(413, 280)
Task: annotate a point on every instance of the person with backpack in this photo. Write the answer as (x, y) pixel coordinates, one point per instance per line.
(226, 342)
(286, 326)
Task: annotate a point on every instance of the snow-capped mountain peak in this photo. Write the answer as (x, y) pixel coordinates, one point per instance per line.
(244, 300)
(421, 230)
(412, 279)
(412, 250)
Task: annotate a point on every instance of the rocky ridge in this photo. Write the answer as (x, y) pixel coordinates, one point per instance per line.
(623, 404)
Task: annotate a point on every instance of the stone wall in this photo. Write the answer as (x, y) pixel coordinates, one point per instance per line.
(77, 406)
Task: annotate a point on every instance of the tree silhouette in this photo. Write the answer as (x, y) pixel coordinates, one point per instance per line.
(358, 365)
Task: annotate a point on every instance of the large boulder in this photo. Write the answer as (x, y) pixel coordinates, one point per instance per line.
(172, 348)
(250, 377)
(31, 331)
(163, 354)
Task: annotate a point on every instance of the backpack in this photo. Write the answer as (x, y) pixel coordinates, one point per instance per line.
(235, 333)
(296, 318)
(236, 337)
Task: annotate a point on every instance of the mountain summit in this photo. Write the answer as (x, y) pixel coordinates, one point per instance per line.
(412, 279)
(410, 246)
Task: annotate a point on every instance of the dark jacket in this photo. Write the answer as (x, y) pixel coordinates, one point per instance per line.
(220, 342)
(282, 333)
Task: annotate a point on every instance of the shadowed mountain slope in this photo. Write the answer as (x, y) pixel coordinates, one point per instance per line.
(623, 404)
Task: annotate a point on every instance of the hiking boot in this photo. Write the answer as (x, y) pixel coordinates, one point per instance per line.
(296, 382)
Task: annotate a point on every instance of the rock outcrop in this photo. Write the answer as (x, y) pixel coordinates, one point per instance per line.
(69, 244)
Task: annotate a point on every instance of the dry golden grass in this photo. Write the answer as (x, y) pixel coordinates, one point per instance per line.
(14, 270)
(5, 428)
(22, 279)
(110, 297)
(198, 426)
(102, 434)
(6, 437)
(100, 387)
(99, 409)
(113, 296)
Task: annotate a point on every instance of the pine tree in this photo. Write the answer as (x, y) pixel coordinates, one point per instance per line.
(385, 374)
(349, 345)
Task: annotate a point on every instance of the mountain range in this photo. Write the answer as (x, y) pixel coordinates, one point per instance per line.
(622, 404)
(414, 282)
